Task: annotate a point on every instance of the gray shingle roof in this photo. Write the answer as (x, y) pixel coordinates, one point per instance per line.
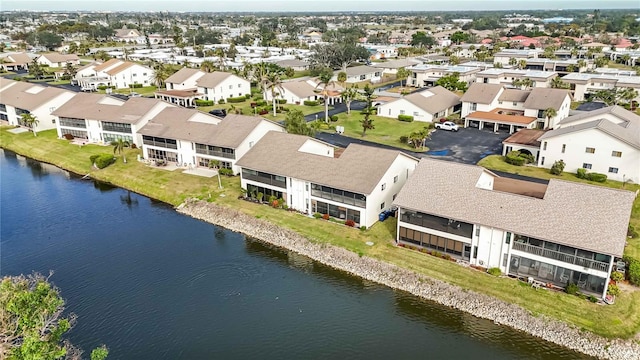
(628, 130)
(358, 169)
(182, 75)
(301, 89)
(104, 108)
(211, 80)
(514, 95)
(28, 96)
(544, 98)
(589, 217)
(441, 99)
(481, 93)
(360, 70)
(181, 124)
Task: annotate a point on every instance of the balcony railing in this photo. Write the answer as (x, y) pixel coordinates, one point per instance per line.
(225, 155)
(568, 258)
(160, 144)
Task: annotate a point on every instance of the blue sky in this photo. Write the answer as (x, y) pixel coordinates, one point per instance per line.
(311, 5)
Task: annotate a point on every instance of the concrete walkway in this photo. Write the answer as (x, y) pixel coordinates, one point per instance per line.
(208, 173)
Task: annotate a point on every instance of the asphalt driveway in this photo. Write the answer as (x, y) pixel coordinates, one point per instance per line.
(467, 146)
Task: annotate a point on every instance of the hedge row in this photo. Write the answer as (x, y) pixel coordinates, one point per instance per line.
(310, 103)
(634, 269)
(135, 86)
(200, 102)
(102, 160)
(405, 118)
(592, 176)
(238, 99)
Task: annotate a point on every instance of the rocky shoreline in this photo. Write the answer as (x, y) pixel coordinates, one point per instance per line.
(476, 304)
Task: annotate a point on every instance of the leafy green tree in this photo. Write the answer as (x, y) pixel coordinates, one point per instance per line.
(69, 71)
(524, 83)
(616, 95)
(417, 138)
(342, 77)
(46, 39)
(30, 121)
(35, 69)
(402, 74)
(422, 40)
(452, 82)
(207, 66)
(118, 148)
(349, 95)
(367, 122)
(295, 123)
(557, 83)
(32, 322)
(459, 37)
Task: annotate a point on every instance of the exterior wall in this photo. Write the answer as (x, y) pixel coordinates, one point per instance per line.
(189, 83)
(135, 74)
(233, 86)
(466, 108)
(402, 106)
(492, 248)
(508, 80)
(372, 77)
(318, 148)
(562, 113)
(575, 154)
(46, 121)
(290, 97)
(255, 136)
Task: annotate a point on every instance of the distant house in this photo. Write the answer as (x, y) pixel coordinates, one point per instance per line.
(117, 73)
(361, 73)
(392, 66)
(585, 84)
(296, 65)
(605, 141)
(192, 137)
(222, 85)
(57, 60)
(427, 105)
(573, 233)
(498, 108)
(129, 36)
(187, 85)
(102, 119)
(356, 185)
(15, 61)
(508, 76)
(17, 98)
(428, 75)
(296, 92)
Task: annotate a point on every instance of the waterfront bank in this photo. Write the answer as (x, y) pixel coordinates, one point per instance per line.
(479, 305)
(171, 187)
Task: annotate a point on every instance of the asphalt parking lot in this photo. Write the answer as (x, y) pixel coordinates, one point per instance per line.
(468, 145)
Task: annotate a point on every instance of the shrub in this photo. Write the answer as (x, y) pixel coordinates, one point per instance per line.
(634, 269)
(104, 160)
(317, 215)
(282, 101)
(93, 158)
(259, 196)
(404, 139)
(133, 146)
(68, 136)
(334, 118)
(225, 172)
(631, 232)
(325, 216)
(135, 86)
(247, 96)
(495, 271)
(238, 99)
(571, 289)
(557, 168)
(514, 158)
(200, 102)
(593, 299)
(613, 289)
(617, 276)
(102, 87)
(310, 103)
(597, 177)
(405, 118)
(528, 158)
(363, 228)
(581, 173)
(261, 102)
(221, 101)
(350, 223)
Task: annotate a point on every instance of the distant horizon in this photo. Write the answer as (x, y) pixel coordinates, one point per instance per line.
(298, 6)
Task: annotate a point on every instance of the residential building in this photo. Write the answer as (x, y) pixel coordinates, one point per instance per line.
(563, 67)
(584, 85)
(428, 105)
(17, 98)
(428, 75)
(505, 56)
(391, 67)
(220, 85)
(187, 85)
(296, 92)
(129, 36)
(192, 137)
(605, 141)
(295, 64)
(361, 73)
(311, 177)
(102, 119)
(557, 233)
(498, 108)
(525, 140)
(508, 76)
(15, 61)
(116, 73)
(57, 60)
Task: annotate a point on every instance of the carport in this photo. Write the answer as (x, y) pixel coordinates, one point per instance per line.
(500, 120)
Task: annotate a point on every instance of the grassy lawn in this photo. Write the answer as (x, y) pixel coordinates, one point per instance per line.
(387, 131)
(495, 162)
(619, 320)
(59, 82)
(144, 91)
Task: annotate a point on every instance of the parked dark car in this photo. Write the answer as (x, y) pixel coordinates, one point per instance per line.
(218, 112)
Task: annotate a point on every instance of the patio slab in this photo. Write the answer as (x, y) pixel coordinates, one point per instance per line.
(18, 130)
(201, 172)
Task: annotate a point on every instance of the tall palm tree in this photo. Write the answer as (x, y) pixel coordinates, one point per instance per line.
(160, 74)
(557, 83)
(31, 121)
(402, 74)
(548, 113)
(324, 81)
(261, 77)
(215, 164)
(207, 66)
(118, 147)
(275, 85)
(222, 61)
(522, 64)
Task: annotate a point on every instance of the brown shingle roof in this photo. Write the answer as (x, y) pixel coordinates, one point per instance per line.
(107, 64)
(301, 89)
(120, 68)
(525, 137)
(60, 58)
(514, 95)
(544, 98)
(358, 169)
(96, 107)
(19, 58)
(182, 75)
(441, 99)
(481, 93)
(588, 217)
(211, 80)
(501, 118)
(28, 96)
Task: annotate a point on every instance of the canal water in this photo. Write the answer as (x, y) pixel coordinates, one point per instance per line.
(153, 284)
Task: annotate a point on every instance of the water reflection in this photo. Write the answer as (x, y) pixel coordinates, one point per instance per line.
(103, 186)
(131, 202)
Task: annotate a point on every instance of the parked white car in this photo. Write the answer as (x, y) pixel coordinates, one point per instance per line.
(447, 125)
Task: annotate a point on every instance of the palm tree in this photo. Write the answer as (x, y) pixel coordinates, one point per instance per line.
(275, 85)
(513, 61)
(367, 122)
(548, 113)
(118, 147)
(31, 121)
(222, 61)
(207, 66)
(324, 81)
(160, 74)
(215, 164)
(342, 78)
(402, 74)
(522, 64)
(261, 77)
(349, 95)
(557, 83)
